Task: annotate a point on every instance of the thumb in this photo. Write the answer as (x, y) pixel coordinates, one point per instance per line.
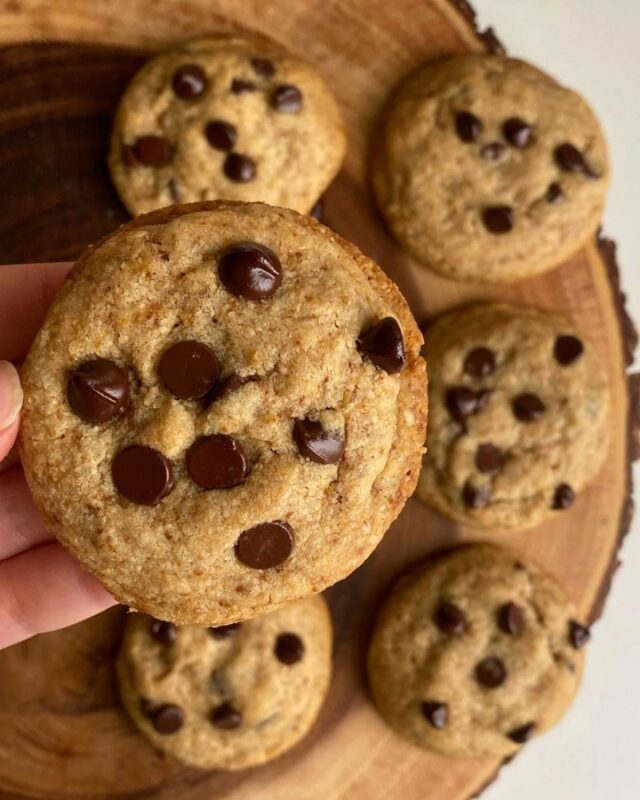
(10, 405)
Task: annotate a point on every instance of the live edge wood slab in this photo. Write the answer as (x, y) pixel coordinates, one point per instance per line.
(63, 66)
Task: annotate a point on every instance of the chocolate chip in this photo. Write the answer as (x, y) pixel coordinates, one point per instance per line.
(498, 219)
(221, 135)
(476, 496)
(142, 475)
(239, 168)
(528, 407)
(168, 719)
(462, 402)
(250, 270)
(238, 86)
(98, 390)
(226, 716)
(468, 126)
(189, 81)
(383, 345)
(517, 132)
(567, 349)
(286, 99)
(163, 632)
(570, 159)
(265, 545)
(554, 193)
(289, 648)
(227, 385)
(263, 67)
(522, 734)
(563, 497)
(436, 714)
(511, 619)
(317, 212)
(579, 635)
(189, 369)
(152, 151)
(450, 619)
(480, 362)
(316, 444)
(224, 631)
(489, 458)
(217, 462)
(492, 151)
(491, 672)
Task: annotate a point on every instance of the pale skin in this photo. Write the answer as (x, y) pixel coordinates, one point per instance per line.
(42, 588)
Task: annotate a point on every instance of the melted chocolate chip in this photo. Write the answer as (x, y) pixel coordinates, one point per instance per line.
(383, 345)
(217, 462)
(468, 126)
(528, 407)
(563, 497)
(238, 86)
(189, 369)
(489, 459)
(498, 219)
(570, 159)
(480, 362)
(225, 631)
(517, 132)
(579, 635)
(227, 385)
(168, 719)
(567, 349)
(250, 270)
(286, 99)
(476, 496)
(265, 546)
(221, 135)
(316, 444)
(436, 714)
(450, 619)
(142, 475)
(462, 402)
(189, 81)
(226, 716)
(522, 734)
(493, 151)
(263, 67)
(152, 151)
(289, 648)
(554, 193)
(491, 672)
(163, 632)
(240, 168)
(511, 619)
(98, 390)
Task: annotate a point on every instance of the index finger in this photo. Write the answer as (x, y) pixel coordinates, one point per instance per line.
(26, 292)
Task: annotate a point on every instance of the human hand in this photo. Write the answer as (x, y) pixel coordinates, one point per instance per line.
(42, 587)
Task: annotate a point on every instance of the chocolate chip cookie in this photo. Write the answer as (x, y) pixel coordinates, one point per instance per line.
(225, 118)
(519, 416)
(229, 697)
(487, 170)
(476, 652)
(224, 410)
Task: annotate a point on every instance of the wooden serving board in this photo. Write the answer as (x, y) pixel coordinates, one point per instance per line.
(62, 732)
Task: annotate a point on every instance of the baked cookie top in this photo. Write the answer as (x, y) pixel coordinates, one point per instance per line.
(231, 697)
(519, 415)
(224, 410)
(225, 118)
(487, 170)
(475, 652)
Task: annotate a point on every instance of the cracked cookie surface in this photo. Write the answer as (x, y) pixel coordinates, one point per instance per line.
(225, 118)
(224, 411)
(475, 652)
(519, 411)
(231, 697)
(488, 170)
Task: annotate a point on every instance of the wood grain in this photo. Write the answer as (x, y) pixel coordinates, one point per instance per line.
(62, 732)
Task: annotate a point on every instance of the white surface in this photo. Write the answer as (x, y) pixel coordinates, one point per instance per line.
(592, 46)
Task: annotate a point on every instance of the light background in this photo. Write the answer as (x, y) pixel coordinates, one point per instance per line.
(592, 46)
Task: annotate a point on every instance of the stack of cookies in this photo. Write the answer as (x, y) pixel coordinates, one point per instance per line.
(244, 417)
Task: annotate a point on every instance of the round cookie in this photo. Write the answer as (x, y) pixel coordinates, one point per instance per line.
(475, 652)
(225, 118)
(231, 697)
(487, 170)
(224, 411)
(519, 413)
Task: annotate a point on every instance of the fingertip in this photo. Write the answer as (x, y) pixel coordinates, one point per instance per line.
(10, 395)
(8, 438)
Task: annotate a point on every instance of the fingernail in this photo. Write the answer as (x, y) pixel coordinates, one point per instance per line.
(10, 394)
